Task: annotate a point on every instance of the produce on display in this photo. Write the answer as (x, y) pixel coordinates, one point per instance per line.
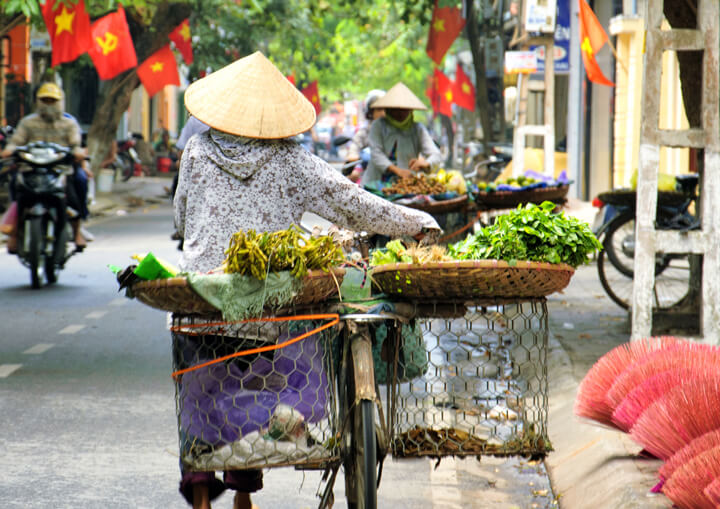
(533, 233)
(257, 254)
(396, 252)
(453, 181)
(415, 184)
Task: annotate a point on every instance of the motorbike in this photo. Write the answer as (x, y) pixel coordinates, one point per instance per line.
(5, 134)
(40, 186)
(127, 159)
(489, 169)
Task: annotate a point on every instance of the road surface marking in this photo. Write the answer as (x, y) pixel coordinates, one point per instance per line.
(72, 329)
(444, 486)
(118, 302)
(95, 315)
(39, 348)
(7, 369)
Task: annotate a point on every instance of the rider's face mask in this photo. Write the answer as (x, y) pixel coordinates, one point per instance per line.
(49, 109)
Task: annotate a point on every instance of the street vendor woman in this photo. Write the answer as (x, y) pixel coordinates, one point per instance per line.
(245, 173)
(399, 146)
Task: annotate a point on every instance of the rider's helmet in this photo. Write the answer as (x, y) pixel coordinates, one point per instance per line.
(50, 91)
(371, 97)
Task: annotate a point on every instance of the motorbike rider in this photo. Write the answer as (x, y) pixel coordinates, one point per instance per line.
(49, 124)
(399, 146)
(361, 140)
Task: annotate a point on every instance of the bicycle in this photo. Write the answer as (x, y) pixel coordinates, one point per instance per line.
(617, 234)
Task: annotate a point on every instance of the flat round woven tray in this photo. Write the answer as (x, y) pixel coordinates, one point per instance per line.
(627, 197)
(176, 295)
(472, 279)
(509, 199)
(443, 206)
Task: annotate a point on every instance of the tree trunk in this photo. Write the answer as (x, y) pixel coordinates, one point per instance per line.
(114, 96)
(478, 54)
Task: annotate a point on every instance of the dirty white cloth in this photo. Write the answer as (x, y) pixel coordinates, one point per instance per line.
(229, 183)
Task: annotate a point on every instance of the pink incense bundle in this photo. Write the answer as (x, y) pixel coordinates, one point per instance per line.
(693, 356)
(696, 446)
(712, 492)
(687, 485)
(684, 413)
(590, 400)
(642, 396)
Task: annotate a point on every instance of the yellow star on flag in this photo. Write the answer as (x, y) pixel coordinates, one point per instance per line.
(448, 96)
(465, 88)
(185, 32)
(439, 25)
(315, 99)
(156, 67)
(587, 47)
(64, 21)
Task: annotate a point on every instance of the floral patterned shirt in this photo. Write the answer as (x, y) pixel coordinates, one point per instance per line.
(229, 183)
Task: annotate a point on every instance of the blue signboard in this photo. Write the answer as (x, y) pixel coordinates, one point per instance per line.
(562, 41)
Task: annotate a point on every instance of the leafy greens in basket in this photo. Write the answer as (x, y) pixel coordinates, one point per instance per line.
(533, 233)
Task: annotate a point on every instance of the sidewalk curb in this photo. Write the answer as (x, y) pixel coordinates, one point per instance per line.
(591, 466)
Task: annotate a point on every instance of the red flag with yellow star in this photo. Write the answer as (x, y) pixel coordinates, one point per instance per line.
(112, 49)
(592, 38)
(446, 24)
(181, 37)
(464, 91)
(158, 70)
(440, 93)
(69, 29)
(312, 94)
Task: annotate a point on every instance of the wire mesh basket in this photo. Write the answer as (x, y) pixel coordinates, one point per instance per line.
(255, 394)
(485, 389)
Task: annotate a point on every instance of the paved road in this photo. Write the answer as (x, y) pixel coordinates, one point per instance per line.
(87, 408)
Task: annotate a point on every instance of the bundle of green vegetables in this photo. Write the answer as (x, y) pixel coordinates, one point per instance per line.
(533, 233)
(396, 252)
(256, 254)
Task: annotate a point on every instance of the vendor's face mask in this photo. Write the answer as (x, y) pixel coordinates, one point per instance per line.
(49, 111)
(397, 118)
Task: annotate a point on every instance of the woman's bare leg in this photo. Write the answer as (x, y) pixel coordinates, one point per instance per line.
(201, 497)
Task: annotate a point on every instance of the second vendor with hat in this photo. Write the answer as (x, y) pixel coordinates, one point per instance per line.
(399, 146)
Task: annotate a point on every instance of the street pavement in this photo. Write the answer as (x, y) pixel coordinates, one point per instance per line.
(89, 417)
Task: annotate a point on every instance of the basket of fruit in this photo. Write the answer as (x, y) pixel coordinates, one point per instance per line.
(437, 193)
(529, 253)
(512, 192)
(261, 270)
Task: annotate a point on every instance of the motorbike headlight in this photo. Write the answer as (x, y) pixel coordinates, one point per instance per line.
(41, 156)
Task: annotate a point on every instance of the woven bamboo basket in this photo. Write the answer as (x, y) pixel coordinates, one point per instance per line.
(176, 295)
(510, 199)
(442, 207)
(471, 279)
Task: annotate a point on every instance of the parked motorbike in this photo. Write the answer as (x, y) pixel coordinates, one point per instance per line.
(500, 156)
(42, 233)
(127, 159)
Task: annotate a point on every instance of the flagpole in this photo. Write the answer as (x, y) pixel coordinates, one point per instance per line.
(612, 48)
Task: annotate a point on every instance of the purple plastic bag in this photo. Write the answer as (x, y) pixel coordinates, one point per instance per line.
(222, 402)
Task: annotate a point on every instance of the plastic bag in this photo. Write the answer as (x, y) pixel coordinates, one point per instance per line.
(223, 402)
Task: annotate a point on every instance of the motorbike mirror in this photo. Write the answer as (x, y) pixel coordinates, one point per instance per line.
(340, 140)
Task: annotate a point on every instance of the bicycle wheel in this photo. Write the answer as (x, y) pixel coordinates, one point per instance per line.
(360, 451)
(615, 266)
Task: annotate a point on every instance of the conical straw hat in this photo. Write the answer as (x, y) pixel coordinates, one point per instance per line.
(400, 96)
(251, 98)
